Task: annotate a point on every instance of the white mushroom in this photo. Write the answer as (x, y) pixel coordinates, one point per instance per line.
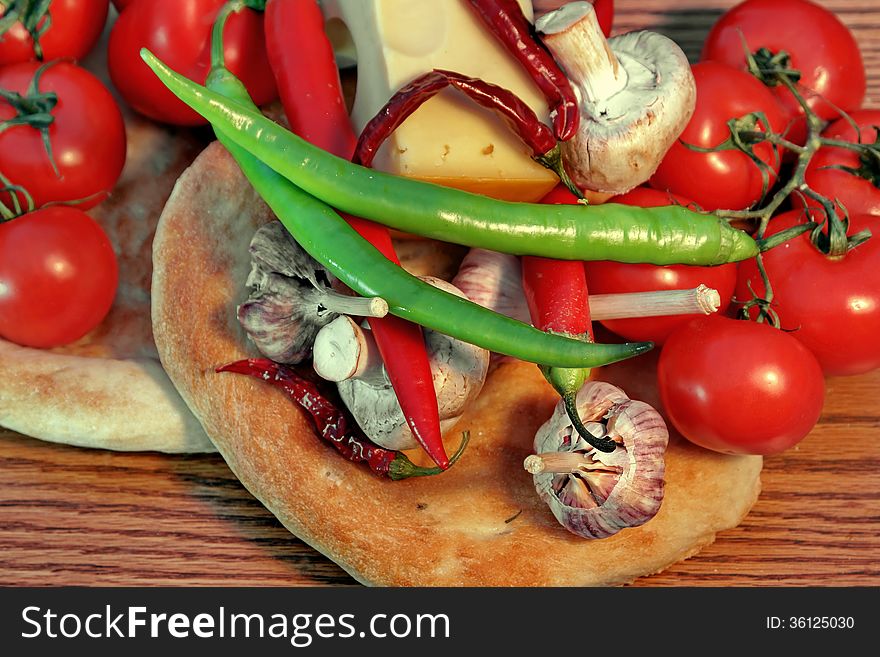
(347, 354)
(636, 94)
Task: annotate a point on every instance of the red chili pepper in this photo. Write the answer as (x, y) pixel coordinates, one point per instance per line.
(518, 116)
(333, 424)
(558, 300)
(513, 111)
(308, 82)
(505, 19)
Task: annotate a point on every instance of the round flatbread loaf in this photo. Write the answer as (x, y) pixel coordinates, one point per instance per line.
(481, 523)
(108, 390)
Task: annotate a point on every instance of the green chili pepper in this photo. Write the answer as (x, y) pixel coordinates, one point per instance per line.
(331, 241)
(660, 236)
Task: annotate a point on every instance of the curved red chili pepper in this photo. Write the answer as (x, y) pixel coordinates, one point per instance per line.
(308, 82)
(505, 19)
(518, 116)
(332, 423)
(558, 299)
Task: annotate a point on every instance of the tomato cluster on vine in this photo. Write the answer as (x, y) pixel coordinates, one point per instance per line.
(772, 75)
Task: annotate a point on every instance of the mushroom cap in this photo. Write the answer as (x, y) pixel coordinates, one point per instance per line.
(625, 136)
(636, 94)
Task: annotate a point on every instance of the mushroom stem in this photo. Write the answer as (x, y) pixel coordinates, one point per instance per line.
(573, 36)
(343, 304)
(344, 350)
(700, 299)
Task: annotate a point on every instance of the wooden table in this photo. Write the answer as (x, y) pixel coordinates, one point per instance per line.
(71, 516)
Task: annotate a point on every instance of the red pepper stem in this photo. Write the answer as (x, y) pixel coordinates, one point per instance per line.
(402, 468)
(602, 444)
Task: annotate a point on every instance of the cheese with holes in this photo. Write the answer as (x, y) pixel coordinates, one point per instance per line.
(449, 140)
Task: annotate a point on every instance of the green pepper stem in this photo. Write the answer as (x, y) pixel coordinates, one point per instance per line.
(602, 444)
(218, 56)
(402, 468)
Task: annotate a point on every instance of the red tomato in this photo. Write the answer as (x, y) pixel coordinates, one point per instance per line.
(74, 28)
(179, 33)
(739, 387)
(616, 278)
(121, 4)
(87, 136)
(604, 11)
(58, 277)
(859, 194)
(831, 305)
(726, 179)
(820, 46)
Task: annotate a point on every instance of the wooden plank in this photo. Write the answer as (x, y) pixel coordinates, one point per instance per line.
(77, 517)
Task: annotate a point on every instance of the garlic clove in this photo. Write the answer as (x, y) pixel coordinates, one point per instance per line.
(273, 249)
(278, 321)
(292, 297)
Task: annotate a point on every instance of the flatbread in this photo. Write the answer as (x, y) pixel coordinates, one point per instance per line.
(481, 523)
(108, 390)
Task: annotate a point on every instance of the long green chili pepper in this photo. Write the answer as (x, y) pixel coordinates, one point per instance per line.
(660, 236)
(332, 242)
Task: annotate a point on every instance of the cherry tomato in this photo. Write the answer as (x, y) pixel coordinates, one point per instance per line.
(739, 387)
(819, 45)
(179, 33)
(859, 194)
(831, 305)
(74, 27)
(604, 11)
(605, 277)
(87, 136)
(58, 277)
(725, 179)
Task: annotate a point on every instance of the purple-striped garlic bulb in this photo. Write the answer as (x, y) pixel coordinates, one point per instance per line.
(595, 494)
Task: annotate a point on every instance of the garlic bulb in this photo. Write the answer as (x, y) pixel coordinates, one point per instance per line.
(595, 494)
(292, 297)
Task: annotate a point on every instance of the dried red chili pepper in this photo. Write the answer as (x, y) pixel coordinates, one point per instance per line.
(505, 19)
(558, 300)
(308, 82)
(333, 424)
(512, 110)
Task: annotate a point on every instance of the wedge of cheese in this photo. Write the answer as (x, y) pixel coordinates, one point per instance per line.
(449, 140)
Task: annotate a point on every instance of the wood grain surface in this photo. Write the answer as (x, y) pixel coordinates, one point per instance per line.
(71, 516)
